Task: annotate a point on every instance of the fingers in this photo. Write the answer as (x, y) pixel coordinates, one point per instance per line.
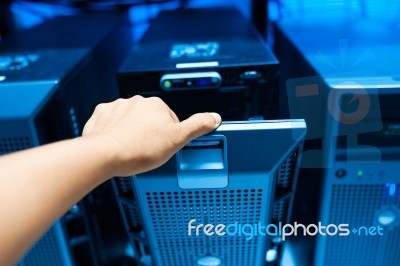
(197, 125)
(193, 127)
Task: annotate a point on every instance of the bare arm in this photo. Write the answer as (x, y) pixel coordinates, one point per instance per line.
(121, 138)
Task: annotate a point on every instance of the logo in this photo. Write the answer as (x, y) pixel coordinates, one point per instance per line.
(282, 230)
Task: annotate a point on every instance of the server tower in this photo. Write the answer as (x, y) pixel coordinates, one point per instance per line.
(360, 138)
(204, 60)
(243, 173)
(200, 60)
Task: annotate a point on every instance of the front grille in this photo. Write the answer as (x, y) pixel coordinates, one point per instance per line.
(285, 174)
(11, 144)
(124, 187)
(45, 252)
(280, 211)
(357, 205)
(171, 211)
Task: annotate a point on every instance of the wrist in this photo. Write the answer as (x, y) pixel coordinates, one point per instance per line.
(100, 149)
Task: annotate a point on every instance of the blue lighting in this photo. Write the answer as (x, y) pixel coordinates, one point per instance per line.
(203, 83)
(391, 188)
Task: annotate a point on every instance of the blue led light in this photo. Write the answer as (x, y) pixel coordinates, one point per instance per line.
(203, 82)
(392, 189)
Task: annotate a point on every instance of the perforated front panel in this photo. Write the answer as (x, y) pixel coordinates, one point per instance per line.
(124, 187)
(172, 210)
(284, 183)
(129, 207)
(168, 209)
(45, 252)
(285, 174)
(280, 211)
(155, 203)
(358, 205)
(11, 144)
(131, 213)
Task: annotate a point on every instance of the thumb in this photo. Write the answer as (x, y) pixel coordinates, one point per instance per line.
(198, 125)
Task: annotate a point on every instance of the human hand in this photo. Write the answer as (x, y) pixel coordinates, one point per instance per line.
(143, 133)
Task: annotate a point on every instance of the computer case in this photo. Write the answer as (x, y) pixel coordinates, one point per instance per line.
(107, 35)
(361, 183)
(244, 172)
(357, 94)
(204, 60)
(41, 96)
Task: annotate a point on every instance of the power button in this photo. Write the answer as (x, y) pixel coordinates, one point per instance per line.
(340, 173)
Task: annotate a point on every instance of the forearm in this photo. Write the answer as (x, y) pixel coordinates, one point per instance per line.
(39, 185)
(125, 137)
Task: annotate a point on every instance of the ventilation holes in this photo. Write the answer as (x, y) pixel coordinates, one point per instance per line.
(129, 208)
(131, 214)
(356, 205)
(171, 211)
(45, 252)
(280, 212)
(286, 172)
(12, 144)
(124, 187)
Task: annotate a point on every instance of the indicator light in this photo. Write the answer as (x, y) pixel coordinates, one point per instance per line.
(167, 84)
(387, 217)
(392, 189)
(203, 82)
